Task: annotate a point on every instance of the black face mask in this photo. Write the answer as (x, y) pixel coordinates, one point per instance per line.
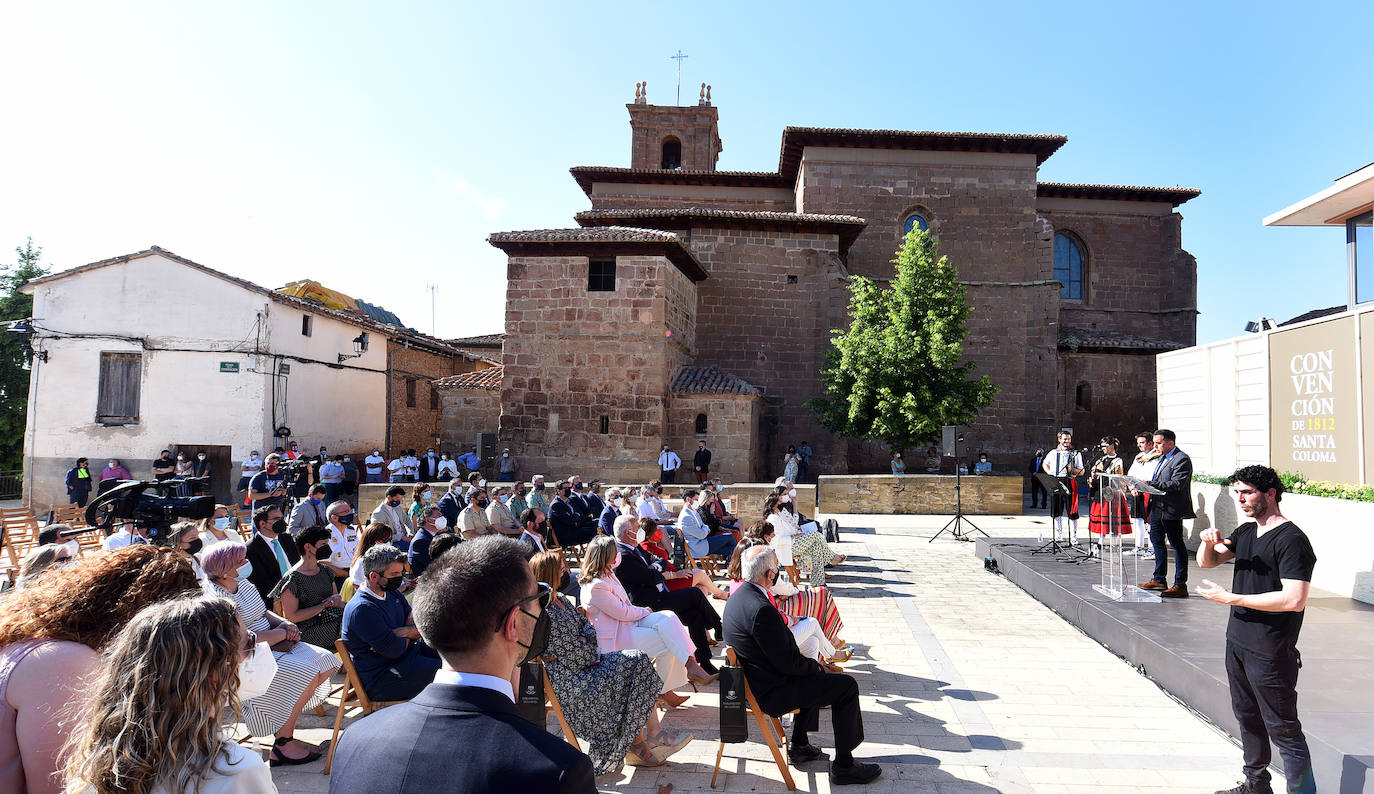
(324, 552)
(279, 526)
(773, 578)
(539, 638)
(480, 502)
(392, 583)
(539, 487)
(565, 581)
(194, 547)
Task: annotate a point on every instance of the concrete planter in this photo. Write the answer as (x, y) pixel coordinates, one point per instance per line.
(915, 494)
(1338, 528)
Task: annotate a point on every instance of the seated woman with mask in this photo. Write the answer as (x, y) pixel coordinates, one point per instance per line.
(307, 593)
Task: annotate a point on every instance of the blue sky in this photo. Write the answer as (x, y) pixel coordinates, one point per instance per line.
(374, 146)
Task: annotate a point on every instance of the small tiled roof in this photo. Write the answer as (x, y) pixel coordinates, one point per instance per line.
(795, 139)
(1170, 195)
(489, 379)
(847, 227)
(1081, 339)
(484, 340)
(1314, 314)
(602, 240)
(698, 379)
(588, 175)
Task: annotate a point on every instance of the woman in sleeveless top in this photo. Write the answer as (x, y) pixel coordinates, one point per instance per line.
(50, 636)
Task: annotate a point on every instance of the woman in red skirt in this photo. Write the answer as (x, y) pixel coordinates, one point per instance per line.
(651, 541)
(1099, 518)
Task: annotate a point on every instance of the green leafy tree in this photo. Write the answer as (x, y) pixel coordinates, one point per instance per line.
(898, 373)
(14, 352)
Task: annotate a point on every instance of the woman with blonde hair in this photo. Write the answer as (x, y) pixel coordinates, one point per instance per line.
(219, 526)
(185, 652)
(51, 635)
(620, 625)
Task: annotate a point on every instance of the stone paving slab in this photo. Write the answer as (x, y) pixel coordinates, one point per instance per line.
(968, 685)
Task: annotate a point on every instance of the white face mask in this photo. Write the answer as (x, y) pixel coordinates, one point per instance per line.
(223, 523)
(256, 672)
(481, 483)
(792, 493)
(505, 454)
(73, 547)
(200, 457)
(440, 524)
(244, 569)
(784, 499)
(639, 537)
(425, 496)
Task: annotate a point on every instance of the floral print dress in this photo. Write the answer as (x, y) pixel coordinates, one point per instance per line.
(606, 697)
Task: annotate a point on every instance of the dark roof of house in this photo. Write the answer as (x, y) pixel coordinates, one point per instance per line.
(1315, 314)
(602, 240)
(795, 139)
(1169, 195)
(847, 227)
(488, 379)
(696, 379)
(1089, 340)
(587, 175)
(484, 340)
(415, 338)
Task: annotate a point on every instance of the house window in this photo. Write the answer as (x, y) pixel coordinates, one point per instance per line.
(1083, 397)
(121, 375)
(305, 325)
(915, 221)
(601, 275)
(672, 155)
(1068, 267)
(1359, 238)
(410, 392)
(433, 399)
(701, 424)
(605, 425)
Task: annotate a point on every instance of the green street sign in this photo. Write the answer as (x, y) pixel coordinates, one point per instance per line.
(228, 366)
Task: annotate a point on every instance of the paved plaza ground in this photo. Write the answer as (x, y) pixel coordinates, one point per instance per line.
(968, 685)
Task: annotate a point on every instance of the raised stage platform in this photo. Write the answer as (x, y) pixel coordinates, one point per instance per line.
(1179, 644)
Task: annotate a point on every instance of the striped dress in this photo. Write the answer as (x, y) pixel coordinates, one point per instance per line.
(266, 714)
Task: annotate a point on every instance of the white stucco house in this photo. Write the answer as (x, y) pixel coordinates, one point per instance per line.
(151, 351)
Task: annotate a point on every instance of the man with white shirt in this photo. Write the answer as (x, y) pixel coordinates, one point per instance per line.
(1065, 464)
(343, 539)
(429, 466)
(396, 468)
(412, 462)
(668, 464)
(128, 534)
(483, 611)
(372, 466)
(251, 466)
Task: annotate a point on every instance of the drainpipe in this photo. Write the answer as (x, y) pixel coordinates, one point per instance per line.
(389, 379)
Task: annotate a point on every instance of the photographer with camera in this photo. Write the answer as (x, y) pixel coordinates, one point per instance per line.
(268, 487)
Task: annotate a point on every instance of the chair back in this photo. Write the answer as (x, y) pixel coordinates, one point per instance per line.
(552, 704)
(21, 532)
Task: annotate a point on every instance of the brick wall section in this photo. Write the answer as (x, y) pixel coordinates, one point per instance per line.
(983, 209)
(731, 433)
(467, 413)
(919, 494)
(572, 356)
(755, 324)
(1123, 399)
(694, 125)
(420, 426)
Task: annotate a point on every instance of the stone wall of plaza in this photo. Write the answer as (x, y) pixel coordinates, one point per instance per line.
(731, 434)
(467, 413)
(572, 357)
(415, 405)
(886, 494)
(983, 207)
(1139, 280)
(769, 321)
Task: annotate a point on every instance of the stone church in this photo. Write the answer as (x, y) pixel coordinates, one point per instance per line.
(694, 303)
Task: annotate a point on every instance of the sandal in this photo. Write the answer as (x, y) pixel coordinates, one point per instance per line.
(633, 758)
(278, 758)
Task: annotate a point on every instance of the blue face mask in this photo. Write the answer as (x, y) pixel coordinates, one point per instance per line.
(316, 499)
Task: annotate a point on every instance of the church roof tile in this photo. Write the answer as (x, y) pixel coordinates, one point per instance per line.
(1088, 339)
(1170, 195)
(796, 139)
(698, 379)
(847, 227)
(489, 379)
(601, 241)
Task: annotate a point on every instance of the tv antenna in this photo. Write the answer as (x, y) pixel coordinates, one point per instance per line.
(433, 288)
(679, 57)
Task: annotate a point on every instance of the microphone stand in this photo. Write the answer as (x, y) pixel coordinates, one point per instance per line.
(955, 525)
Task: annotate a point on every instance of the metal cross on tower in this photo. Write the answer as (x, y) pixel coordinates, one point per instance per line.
(680, 55)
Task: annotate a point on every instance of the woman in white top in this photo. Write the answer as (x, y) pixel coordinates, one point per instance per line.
(791, 544)
(184, 652)
(219, 526)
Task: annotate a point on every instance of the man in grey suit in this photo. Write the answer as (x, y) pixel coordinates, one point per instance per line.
(1173, 476)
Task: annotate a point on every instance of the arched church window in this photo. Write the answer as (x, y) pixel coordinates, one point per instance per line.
(701, 424)
(915, 221)
(672, 154)
(1068, 267)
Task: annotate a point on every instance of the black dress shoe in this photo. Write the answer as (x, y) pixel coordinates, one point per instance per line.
(1250, 787)
(802, 754)
(855, 773)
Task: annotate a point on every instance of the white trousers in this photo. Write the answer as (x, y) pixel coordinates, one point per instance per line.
(662, 637)
(811, 639)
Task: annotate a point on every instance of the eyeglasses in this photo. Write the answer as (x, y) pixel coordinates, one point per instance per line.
(545, 596)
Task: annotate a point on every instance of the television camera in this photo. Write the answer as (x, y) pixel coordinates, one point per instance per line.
(152, 505)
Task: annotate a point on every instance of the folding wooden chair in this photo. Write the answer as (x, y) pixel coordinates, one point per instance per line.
(351, 692)
(572, 555)
(551, 703)
(767, 725)
(75, 517)
(709, 563)
(21, 532)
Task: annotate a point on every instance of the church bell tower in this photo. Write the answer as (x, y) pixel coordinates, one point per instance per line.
(674, 137)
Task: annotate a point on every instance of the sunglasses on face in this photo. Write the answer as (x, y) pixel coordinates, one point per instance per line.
(545, 596)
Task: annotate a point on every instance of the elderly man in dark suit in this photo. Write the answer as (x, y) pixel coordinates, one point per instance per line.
(783, 679)
(272, 551)
(482, 610)
(1173, 476)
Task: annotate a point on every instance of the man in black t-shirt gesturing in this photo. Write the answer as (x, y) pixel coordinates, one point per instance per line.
(1268, 594)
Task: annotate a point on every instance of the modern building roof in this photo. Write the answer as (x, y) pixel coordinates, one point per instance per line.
(354, 318)
(847, 227)
(488, 379)
(796, 139)
(698, 379)
(1092, 340)
(1173, 196)
(1350, 195)
(1314, 314)
(587, 175)
(603, 240)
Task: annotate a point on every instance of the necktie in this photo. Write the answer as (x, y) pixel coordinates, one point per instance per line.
(281, 556)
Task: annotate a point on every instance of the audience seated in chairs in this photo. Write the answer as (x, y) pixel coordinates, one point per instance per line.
(813, 602)
(442, 543)
(607, 698)
(307, 593)
(430, 523)
(570, 528)
(806, 545)
(219, 526)
(374, 534)
(303, 670)
(49, 556)
(696, 534)
(651, 542)
(179, 748)
(621, 625)
(806, 630)
(379, 630)
(483, 611)
(606, 523)
(642, 576)
(783, 679)
(272, 551)
(51, 636)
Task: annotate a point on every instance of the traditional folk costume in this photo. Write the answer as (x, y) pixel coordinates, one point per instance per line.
(1099, 516)
(1061, 464)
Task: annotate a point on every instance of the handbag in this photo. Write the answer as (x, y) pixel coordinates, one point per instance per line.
(733, 726)
(530, 699)
(832, 531)
(256, 672)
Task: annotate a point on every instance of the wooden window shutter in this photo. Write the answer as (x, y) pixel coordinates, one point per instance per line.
(121, 375)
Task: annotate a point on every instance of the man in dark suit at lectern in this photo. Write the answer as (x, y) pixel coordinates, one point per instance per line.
(1173, 476)
(782, 679)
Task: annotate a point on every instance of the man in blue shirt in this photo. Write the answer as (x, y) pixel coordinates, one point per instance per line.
(268, 487)
(470, 460)
(393, 663)
(332, 475)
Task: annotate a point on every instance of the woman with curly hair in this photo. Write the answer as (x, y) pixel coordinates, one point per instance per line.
(51, 634)
(184, 651)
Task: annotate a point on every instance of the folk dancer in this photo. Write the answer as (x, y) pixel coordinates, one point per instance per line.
(1065, 464)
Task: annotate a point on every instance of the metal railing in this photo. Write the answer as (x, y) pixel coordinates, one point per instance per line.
(11, 483)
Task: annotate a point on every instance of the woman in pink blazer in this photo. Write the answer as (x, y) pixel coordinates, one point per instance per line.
(620, 625)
